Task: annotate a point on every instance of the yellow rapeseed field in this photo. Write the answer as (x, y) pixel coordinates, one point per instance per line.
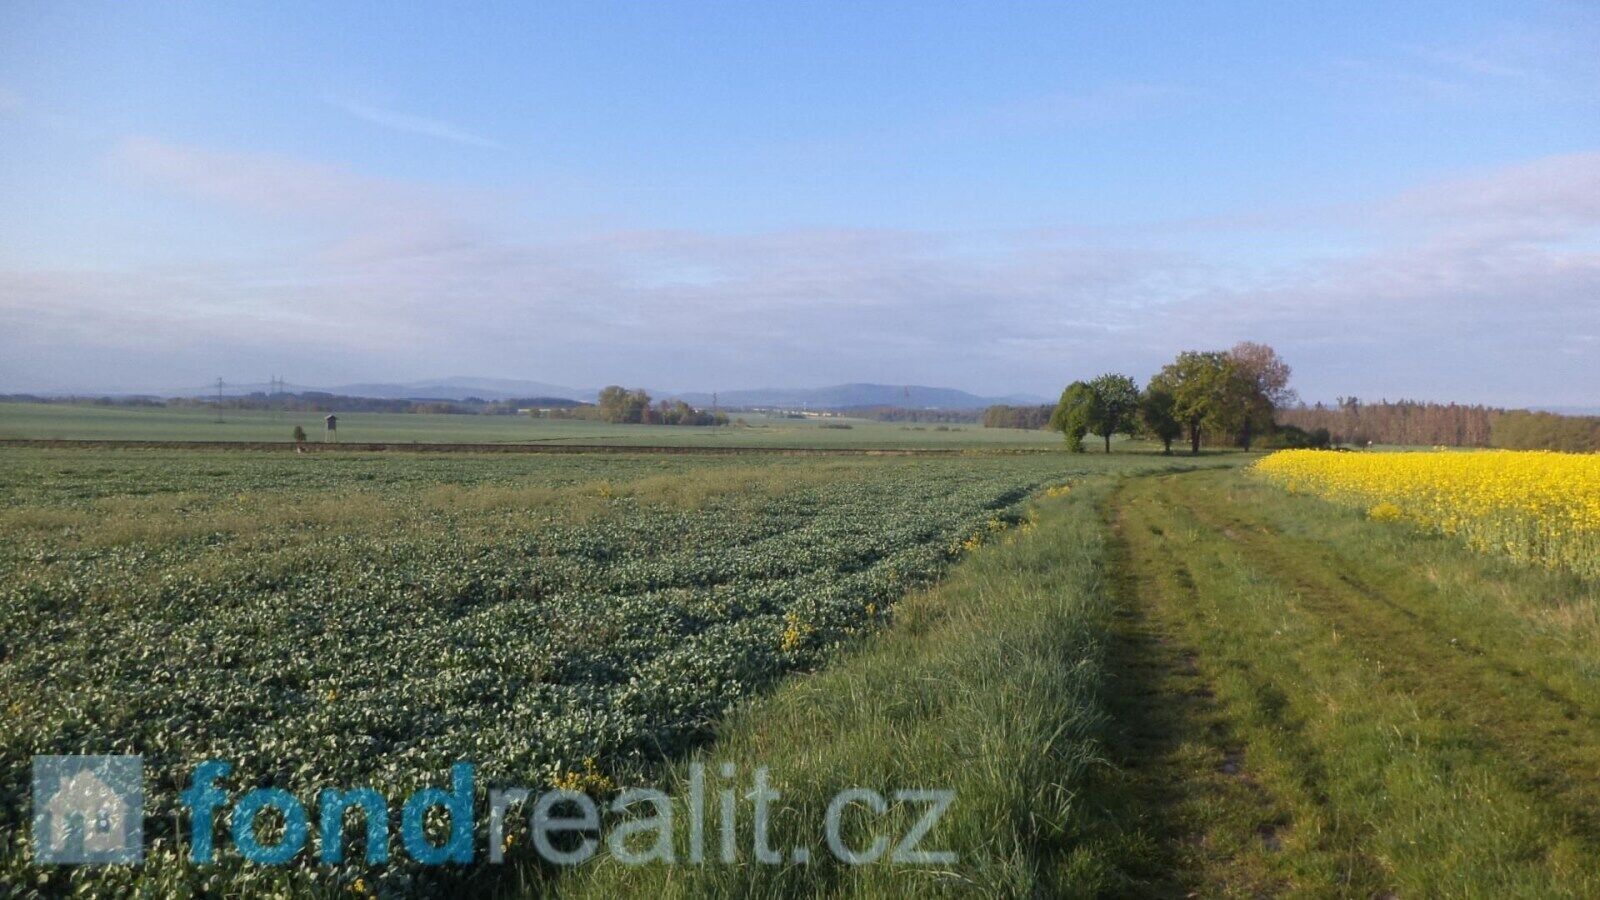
(1541, 508)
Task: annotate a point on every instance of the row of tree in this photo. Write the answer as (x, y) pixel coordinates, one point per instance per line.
(1523, 430)
(304, 401)
(1408, 422)
(1002, 416)
(907, 414)
(1210, 395)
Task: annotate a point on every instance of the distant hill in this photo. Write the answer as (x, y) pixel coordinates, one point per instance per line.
(853, 396)
(460, 388)
(834, 397)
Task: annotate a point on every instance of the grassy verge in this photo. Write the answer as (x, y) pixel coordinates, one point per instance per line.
(987, 685)
(1331, 706)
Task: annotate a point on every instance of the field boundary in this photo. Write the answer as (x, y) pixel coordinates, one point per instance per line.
(986, 684)
(455, 447)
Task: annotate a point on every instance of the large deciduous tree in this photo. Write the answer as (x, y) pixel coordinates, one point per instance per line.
(1203, 386)
(1233, 393)
(1262, 388)
(1156, 409)
(1071, 417)
(618, 404)
(1113, 406)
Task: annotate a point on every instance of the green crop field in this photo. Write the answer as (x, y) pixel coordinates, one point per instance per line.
(332, 619)
(72, 422)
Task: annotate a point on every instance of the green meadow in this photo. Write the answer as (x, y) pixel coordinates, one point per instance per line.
(71, 422)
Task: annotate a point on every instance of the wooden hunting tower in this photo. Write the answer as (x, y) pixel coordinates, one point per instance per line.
(332, 422)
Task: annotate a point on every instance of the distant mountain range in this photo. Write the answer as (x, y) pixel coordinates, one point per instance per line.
(433, 389)
(849, 396)
(840, 396)
(461, 388)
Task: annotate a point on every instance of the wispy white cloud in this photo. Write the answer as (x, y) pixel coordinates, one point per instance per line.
(410, 124)
(254, 182)
(1550, 197)
(1054, 109)
(363, 218)
(1471, 62)
(1410, 79)
(1106, 101)
(1506, 63)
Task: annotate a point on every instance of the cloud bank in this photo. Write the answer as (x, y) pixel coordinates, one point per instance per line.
(1489, 280)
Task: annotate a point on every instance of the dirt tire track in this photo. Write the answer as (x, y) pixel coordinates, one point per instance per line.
(1410, 743)
(1494, 696)
(1182, 765)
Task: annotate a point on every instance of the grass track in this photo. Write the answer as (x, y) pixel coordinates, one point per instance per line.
(1313, 704)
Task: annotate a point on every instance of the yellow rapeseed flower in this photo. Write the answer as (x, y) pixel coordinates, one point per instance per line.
(1536, 507)
(590, 781)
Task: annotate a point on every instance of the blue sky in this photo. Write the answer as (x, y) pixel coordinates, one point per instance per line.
(1403, 198)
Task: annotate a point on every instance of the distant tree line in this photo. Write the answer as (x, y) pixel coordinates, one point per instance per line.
(321, 401)
(132, 401)
(1003, 416)
(1349, 422)
(619, 405)
(314, 401)
(1523, 430)
(907, 414)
